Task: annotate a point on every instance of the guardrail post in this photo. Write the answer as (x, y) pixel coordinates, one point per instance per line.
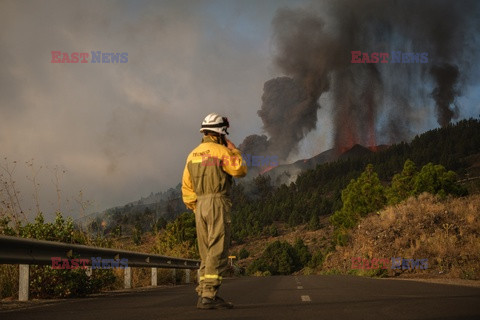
(187, 275)
(88, 271)
(174, 275)
(154, 277)
(128, 278)
(23, 282)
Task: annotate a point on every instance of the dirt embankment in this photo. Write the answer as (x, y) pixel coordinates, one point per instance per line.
(446, 232)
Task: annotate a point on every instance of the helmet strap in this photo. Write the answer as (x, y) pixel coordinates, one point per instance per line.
(222, 140)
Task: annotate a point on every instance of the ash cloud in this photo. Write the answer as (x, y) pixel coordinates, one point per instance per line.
(288, 112)
(315, 58)
(290, 103)
(444, 94)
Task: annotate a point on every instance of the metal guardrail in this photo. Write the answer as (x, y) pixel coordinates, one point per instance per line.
(14, 250)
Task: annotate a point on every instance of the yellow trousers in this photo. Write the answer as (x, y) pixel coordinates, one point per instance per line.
(212, 218)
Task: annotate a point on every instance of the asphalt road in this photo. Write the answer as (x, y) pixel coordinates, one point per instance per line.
(282, 297)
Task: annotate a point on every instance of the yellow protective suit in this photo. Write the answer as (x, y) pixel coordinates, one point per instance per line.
(206, 184)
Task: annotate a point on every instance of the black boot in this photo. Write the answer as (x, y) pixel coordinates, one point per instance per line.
(215, 303)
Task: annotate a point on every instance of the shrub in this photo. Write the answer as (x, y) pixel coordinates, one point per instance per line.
(303, 253)
(46, 282)
(179, 237)
(316, 260)
(243, 254)
(435, 179)
(278, 258)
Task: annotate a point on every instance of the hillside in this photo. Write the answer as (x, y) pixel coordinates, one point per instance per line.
(145, 214)
(446, 232)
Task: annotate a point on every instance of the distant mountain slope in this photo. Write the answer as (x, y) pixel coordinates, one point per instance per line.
(144, 214)
(286, 173)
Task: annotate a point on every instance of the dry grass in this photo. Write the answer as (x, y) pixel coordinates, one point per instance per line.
(8, 280)
(141, 277)
(444, 232)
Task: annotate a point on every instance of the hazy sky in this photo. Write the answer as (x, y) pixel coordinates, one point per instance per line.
(124, 130)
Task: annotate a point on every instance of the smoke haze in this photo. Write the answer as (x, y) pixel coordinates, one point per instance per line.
(124, 130)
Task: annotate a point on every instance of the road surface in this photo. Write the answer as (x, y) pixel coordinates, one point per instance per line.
(280, 297)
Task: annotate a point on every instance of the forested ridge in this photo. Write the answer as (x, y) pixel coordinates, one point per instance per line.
(318, 192)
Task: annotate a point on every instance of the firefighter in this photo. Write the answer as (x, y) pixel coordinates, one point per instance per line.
(206, 184)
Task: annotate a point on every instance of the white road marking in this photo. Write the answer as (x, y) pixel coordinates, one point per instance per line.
(306, 298)
(299, 287)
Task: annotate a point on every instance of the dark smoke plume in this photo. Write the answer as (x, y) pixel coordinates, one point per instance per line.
(444, 94)
(290, 104)
(316, 58)
(288, 112)
(255, 145)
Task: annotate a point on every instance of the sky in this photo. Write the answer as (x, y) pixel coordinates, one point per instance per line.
(117, 132)
(121, 131)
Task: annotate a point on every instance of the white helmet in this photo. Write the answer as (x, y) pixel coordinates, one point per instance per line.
(216, 123)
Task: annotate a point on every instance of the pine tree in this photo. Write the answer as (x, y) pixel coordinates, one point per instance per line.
(362, 196)
(402, 184)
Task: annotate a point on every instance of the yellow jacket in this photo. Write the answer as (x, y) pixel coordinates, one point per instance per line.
(209, 170)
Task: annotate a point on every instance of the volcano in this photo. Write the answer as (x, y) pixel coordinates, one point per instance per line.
(287, 173)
